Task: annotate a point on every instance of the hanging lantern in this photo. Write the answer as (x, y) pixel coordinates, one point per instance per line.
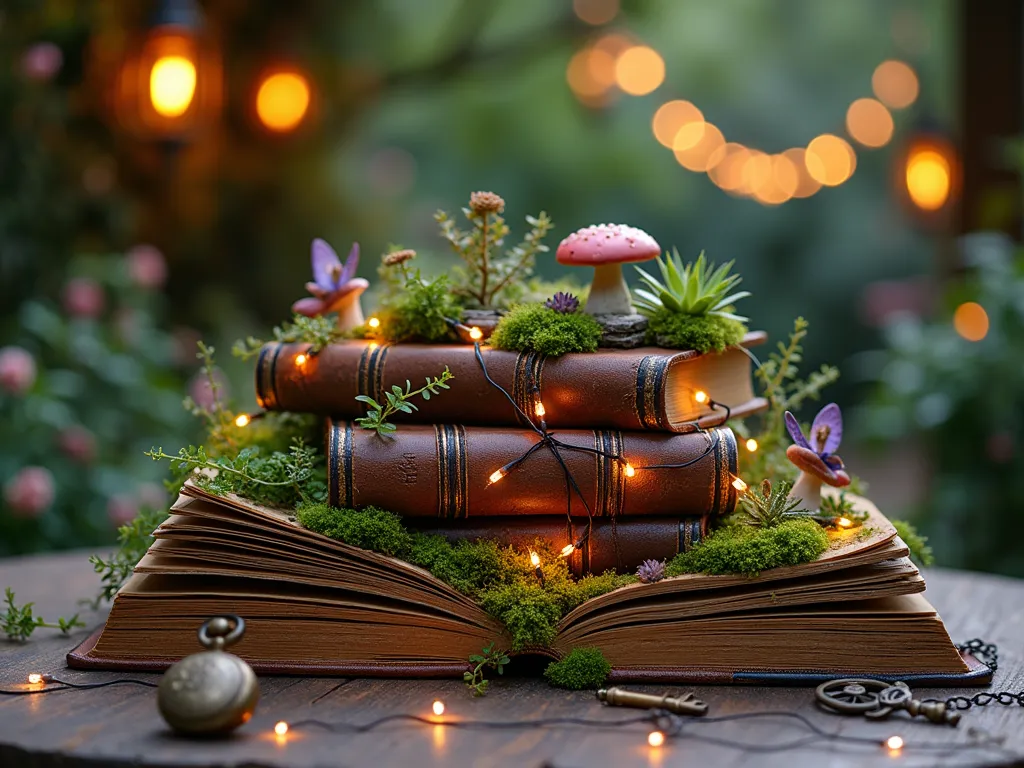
(170, 84)
(927, 175)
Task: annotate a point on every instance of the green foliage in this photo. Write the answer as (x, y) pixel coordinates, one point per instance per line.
(20, 622)
(740, 549)
(583, 668)
(528, 611)
(318, 332)
(535, 327)
(398, 400)
(420, 311)
(490, 278)
(767, 507)
(838, 505)
(698, 289)
(369, 528)
(133, 540)
(781, 383)
(488, 658)
(916, 543)
(704, 333)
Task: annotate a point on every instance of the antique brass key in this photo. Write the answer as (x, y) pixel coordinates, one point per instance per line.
(679, 705)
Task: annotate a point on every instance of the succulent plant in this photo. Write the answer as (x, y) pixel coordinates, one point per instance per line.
(699, 288)
(562, 302)
(651, 571)
(771, 506)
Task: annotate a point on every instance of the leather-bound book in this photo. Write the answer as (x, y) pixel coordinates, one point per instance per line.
(454, 472)
(618, 544)
(636, 389)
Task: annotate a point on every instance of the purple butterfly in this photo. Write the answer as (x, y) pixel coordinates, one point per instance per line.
(334, 287)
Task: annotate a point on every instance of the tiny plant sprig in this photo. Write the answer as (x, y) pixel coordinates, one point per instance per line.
(318, 332)
(133, 540)
(488, 658)
(19, 622)
(217, 418)
(398, 401)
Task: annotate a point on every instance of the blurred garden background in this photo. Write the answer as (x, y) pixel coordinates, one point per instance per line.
(164, 166)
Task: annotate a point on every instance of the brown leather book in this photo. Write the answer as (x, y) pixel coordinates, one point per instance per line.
(618, 544)
(450, 472)
(313, 605)
(636, 389)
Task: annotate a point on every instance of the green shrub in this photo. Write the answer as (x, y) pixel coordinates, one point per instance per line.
(583, 668)
(537, 328)
(419, 311)
(740, 549)
(703, 333)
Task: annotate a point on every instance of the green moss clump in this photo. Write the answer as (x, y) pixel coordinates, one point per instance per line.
(535, 327)
(741, 549)
(528, 611)
(703, 333)
(916, 543)
(469, 566)
(583, 668)
(420, 311)
(370, 528)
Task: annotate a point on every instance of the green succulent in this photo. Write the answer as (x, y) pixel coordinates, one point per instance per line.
(694, 289)
(771, 506)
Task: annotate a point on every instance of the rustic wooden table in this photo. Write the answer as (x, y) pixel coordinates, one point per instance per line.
(120, 725)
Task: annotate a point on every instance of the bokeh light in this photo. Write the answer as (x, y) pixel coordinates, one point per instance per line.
(806, 184)
(725, 166)
(895, 84)
(172, 85)
(970, 320)
(830, 160)
(671, 117)
(929, 178)
(282, 101)
(591, 73)
(639, 70)
(869, 123)
(596, 12)
(696, 158)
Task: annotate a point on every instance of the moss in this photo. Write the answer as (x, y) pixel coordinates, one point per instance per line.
(739, 549)
(469, 566)
(583, 668)
(916, 543)
(529, 612)
(703, 333)
(535, 327)
(420, 312)
(370, 528)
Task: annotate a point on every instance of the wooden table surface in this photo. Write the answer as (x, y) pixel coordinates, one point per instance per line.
(121, 726)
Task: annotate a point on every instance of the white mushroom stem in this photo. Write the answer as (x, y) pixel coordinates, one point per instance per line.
(608, 293)
(808, 490)
(350, 311)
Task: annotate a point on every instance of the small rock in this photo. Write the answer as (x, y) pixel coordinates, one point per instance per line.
(622, 331)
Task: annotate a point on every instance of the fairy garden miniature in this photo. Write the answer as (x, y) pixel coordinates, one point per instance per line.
(334, 288)
(816, 458)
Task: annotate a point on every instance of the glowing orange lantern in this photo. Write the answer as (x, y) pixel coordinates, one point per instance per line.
(927, 175)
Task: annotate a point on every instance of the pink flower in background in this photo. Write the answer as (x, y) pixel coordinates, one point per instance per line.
(83, 297)
(78, 444)
(17, 370)
(147, 267)
(121, 510)
(200, 391)
(30, 492)
(42, 61)
(152, 496)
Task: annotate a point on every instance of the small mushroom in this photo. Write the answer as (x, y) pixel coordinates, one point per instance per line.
(817, 462)
(606, 247)
(334, 287)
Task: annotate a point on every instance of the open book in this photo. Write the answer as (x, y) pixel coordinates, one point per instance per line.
(314, 605)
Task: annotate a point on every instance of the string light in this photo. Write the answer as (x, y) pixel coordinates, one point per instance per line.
(373, 322)
(496, 475)
(844, 522)
(970, 320)
(172, 85)
(300, 359)
(701, 396)
(739, 485)
(751, 445)
(242, 420)
(475, 333)
(567, 550)
(281, 728)
(629, 470)
(438, 707)
(540, 410)
(655, 738)
(894, 743)
(282, 101)
(35, 678)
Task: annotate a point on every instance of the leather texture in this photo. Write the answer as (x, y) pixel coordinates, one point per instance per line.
(622, 545)
(621, 389)
(445, 471)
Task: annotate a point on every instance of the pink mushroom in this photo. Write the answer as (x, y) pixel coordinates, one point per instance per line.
(813, 472)
(606, 247)
(334, 288)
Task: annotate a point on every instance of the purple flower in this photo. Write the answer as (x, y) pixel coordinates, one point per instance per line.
(826, 434)
(562, 302)
(651, 571)
(334, 286)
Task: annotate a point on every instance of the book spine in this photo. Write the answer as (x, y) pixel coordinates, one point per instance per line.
(620, 389)
(620, 545)
(446, 472)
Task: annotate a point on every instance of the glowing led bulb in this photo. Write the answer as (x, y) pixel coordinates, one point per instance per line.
(281, 728)
(373, 322)
(895, 743)
(655, 738)
(539, 409)
(496, 475)
(534, 559)
(739, 485)
(629, 470)
(701, 396)
(300, 359)
(567, 550)
(438, 707)
(242, 420)
(844, 522)
(35, 678)
(751, 445)
(475, 333)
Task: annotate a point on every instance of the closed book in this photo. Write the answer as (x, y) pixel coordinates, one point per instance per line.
(618, 544)
(451, 472)
(636, 389)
